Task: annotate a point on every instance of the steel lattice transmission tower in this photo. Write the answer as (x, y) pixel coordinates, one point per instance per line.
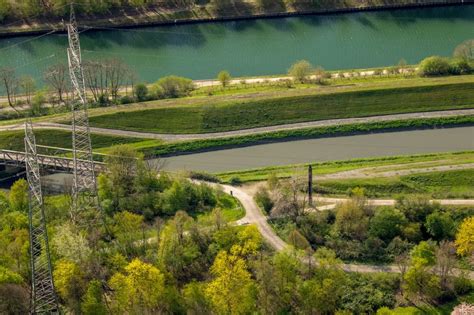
(84, 190)
(43, 296)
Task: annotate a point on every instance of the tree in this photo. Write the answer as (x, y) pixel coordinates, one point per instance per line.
(195, 299)
(386, 224)
(69, 282)
(116, 71)
(28, 86)
(18, 196)
(123, 162)
(287, 277)
(416, 207)
(232, 290)
(440, 225)
(465, 237)
(138, 289)
(419, 283)
(93, 302)
(224, 78)
(434, 66)
(179, 251)
(445, 262)
(4, 9)
(298, 241)
(37, 103)
(127, 229)
(288, 201)
(465, 50)
(141, 92)
(300, 70)
(70, 243)
(10, 83)
(14, 298)
(57, 77)
(322, 293)
(352, 220)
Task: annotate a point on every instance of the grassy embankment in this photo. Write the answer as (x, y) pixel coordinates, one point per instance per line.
(439, 185)
(13, 140)
(216, 117)
(391, 163)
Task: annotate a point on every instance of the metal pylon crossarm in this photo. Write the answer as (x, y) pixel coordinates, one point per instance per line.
(43, 297)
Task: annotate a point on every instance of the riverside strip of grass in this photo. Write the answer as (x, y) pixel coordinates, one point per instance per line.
(331, 167)
(13, 140)
(439, 185)
(284, 110)
(151, 148)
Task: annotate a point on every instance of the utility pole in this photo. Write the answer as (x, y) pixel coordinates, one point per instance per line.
(84, 190)
(310, 185)
(43, 296)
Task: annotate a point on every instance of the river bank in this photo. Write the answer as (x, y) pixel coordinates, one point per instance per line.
(156, 16)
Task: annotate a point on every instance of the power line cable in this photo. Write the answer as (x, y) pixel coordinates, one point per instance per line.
(28, 40)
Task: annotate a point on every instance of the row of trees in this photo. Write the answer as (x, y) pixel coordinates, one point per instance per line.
(104, 80)
(60, 8)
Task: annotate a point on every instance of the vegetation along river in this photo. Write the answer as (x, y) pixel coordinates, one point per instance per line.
(258, 47)
(327, 149)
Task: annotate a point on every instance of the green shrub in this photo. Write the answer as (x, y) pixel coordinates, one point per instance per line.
(141, 92)
(459, 66)
(235, 181)
(434, 66)
(126, 99)
(462, 285)
(224, 78)
(300, 70)
(264, 200)
(204, 177)
(172, 86)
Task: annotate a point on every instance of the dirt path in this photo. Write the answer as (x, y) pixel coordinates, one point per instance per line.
(244, 132)
(371, 172)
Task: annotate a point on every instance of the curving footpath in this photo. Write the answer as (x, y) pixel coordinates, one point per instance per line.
(253, 215)
(251, 131)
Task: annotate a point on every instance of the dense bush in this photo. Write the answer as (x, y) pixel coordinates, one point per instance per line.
(141, 92)
(204, 176)
(434, 66)
(459, 66)
(264, 200)
(172, 86)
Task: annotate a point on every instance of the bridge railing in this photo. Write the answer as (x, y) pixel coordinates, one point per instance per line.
(17, 158)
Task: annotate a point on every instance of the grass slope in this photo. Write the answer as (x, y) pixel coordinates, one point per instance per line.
(13, 140)
(448, 184)
(284, 110)
(321, 168)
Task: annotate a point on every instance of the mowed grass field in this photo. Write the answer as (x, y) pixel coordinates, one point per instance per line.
(215, 117)
(13, 140)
